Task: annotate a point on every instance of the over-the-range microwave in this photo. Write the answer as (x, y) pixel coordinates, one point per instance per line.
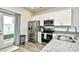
(48, 22)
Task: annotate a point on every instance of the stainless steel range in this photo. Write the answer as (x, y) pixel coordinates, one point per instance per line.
(48, 30)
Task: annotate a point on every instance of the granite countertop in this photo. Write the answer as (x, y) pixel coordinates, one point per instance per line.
(69, 32)
(60, 46)
(66, 32)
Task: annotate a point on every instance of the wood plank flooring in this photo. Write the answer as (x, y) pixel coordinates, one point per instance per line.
(31, 47)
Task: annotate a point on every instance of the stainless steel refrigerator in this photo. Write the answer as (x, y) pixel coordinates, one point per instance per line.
(33, 28)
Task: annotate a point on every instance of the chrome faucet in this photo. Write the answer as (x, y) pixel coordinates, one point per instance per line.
(73, 27)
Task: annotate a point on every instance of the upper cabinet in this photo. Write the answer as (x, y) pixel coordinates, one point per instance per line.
(66, 16)
(60, 17)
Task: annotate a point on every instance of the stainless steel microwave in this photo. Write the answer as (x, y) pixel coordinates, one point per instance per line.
(49, 22)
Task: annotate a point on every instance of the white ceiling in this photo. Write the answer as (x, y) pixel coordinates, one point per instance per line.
(37, 9)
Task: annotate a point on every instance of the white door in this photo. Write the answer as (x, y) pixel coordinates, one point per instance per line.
(7, 26)
(1, 31)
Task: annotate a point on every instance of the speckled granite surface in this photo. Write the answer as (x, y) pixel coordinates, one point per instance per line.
(60, 46)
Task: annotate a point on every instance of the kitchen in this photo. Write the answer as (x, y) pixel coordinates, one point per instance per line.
(41, 25)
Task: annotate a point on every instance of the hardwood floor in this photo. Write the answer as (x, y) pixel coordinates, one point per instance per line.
(31, 47)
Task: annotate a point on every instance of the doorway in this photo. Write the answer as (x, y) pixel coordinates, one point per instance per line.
(9, 29)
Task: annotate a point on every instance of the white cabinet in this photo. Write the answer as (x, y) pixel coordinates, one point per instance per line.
(60, 17)
(39, 37)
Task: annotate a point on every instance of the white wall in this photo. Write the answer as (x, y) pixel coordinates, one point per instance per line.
(25, 16)
(75, 19)
(61, 17)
